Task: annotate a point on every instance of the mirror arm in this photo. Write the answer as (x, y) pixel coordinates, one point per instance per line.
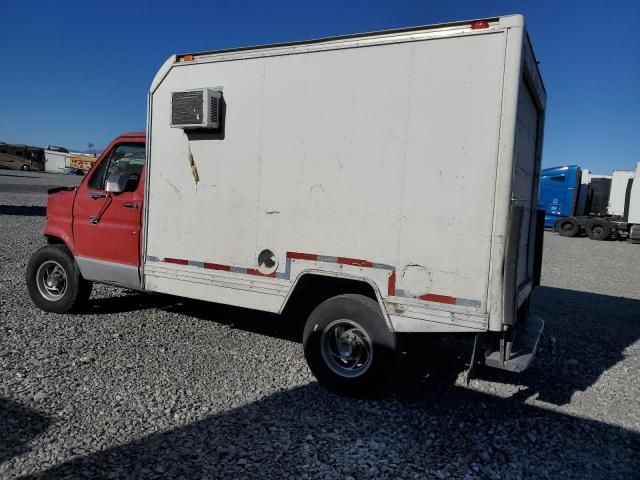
(107, 201)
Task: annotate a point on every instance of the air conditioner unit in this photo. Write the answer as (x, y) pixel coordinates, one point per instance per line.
(201, 108)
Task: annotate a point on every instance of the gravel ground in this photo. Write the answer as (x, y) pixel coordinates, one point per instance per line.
(146, 386)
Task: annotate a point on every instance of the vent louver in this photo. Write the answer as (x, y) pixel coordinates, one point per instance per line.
(196, 109)
(215, 109)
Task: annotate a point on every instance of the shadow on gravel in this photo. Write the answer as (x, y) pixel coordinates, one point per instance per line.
(308, 433)
(428, 428)
(19, 425)
(131, 301)
(592, 332)
(31, 211)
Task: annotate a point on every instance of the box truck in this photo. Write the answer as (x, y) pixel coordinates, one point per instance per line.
(385, 183)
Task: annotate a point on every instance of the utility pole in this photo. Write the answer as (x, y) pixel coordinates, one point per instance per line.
(91, 148)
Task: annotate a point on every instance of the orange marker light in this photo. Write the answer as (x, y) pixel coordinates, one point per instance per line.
(189, 58)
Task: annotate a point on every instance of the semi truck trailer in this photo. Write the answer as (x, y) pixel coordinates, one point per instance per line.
(384, 183)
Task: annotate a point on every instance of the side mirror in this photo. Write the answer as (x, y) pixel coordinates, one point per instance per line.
(116, 183)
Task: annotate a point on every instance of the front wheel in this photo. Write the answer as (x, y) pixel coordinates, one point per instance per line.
(25, 168)
(54, 281)
(349, 347)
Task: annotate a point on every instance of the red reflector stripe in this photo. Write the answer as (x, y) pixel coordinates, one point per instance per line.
(253, 271)
(302, 256)
(178, 261)
(431, 297)
(217, 266)
(354, 261)
(392, 284)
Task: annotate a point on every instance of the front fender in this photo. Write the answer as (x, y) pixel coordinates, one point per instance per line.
(60, 217)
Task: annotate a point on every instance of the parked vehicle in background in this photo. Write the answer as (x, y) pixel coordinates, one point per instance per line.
(21, 157)
(611, 209)
(60, 160)
(620, 194)
(56, 159)
(374, 184)
(559, 193)
(81, 161)
(73, 171)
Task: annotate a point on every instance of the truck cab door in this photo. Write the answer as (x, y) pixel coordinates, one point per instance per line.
(106, 226)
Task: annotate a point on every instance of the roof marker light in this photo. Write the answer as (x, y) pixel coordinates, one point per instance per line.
(189, 58)
(478, 24)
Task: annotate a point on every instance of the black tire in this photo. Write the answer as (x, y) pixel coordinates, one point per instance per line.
(598, 229)
(567, 227)
(363, 327)
(25, 168)
(54, 281)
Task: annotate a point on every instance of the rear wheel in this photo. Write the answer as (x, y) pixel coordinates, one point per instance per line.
(349, 347)
(598, 229)
(567, 227)
(25, 168)
(54, 281)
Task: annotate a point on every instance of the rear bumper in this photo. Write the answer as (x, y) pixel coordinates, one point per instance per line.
(517, 355)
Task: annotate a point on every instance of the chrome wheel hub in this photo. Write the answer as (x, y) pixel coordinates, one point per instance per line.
(51, 280)
(346, 348)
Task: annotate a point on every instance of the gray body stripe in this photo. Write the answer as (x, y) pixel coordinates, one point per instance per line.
(382, 266)
(465, 302)
(327, 259)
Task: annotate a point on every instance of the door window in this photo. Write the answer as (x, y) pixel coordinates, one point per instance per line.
(125, 158)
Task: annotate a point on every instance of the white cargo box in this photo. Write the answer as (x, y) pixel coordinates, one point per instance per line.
(402, 159)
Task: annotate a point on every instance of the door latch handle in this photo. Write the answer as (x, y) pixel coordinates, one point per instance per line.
(130, 205)
(96, 195)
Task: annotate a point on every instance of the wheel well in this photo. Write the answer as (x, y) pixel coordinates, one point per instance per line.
(312, 289)
(54, 240)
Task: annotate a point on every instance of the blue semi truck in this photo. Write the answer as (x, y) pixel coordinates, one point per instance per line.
(575, 202)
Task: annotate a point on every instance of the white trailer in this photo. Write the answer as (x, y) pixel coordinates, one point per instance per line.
(633, 216)
(618, 196)
(55, 161)
(372, 184)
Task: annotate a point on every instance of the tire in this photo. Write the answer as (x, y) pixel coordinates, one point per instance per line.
(598, 229)
(567, 227)
(365, 355)
(25, 168)
(54, 281)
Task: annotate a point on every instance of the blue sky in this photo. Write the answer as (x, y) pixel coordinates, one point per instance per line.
(75, 72)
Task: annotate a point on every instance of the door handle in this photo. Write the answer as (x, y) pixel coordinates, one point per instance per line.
(130, 205)
(96, 195)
